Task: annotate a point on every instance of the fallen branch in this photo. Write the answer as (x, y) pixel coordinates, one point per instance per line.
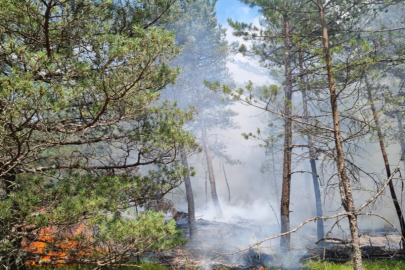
(334, 239)
(383, 218)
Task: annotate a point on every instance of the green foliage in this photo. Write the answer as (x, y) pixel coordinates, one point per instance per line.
(368, 265)
(148, 232)
(94, 80)
(104, 204)
(81, 113)
(149, 266)
(242, 49)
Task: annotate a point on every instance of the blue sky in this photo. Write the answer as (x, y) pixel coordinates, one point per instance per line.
(241, 68)
(235, 10)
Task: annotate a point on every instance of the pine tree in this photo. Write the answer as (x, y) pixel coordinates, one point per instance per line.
(203, 58)
(274, 44)
(80, 114)
(336, 22)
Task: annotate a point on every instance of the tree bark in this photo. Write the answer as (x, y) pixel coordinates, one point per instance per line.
(315, 180)
(206, 190)
(386, 163)
(401, 138)
(211, 175)
(190, 197)
(344, 181)
(312, 156)
(274, 174)
(286, 186)
(227, 184)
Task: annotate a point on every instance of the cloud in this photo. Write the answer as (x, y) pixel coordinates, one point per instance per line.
(245, 10)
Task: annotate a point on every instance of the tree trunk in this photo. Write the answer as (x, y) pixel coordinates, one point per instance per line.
(227, 184)
(312, 156)
(309, 187)
(315, 180)
(190, 196)
(286, 186)
(401, 138)
(344, 181)
(274, 174)
(206, 190)
(386, 163)
(211, 176)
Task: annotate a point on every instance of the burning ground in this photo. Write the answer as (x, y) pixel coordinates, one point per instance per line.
(224, 242)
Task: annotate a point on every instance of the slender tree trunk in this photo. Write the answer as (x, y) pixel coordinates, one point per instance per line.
(386, 163)
(312, 156)
(274, 174)
(344, 181)
(309, 190)
(401, 138)
(206, 190)
(227, 184)
(286, 187)
(190, 196)
(211, 175)
(315, 180)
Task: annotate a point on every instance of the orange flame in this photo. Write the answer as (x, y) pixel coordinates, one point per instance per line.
(60, 252)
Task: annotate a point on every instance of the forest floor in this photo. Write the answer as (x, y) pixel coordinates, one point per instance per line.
(309, 265)
(217, 245)
(216, 239)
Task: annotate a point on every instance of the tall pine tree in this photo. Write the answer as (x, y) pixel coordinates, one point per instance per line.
(203, 58)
